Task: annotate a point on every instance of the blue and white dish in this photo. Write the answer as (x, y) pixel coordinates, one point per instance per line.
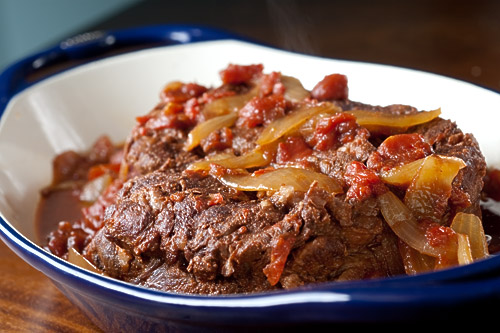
(71, 108)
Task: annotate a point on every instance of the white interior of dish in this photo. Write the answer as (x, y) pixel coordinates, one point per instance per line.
(72, 109)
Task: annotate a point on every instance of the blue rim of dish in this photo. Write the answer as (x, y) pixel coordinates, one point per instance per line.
(328, 302)
(90, 46)
(472, 281)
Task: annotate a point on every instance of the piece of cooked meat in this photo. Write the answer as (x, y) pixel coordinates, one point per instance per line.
(166, 223)
(180, 228)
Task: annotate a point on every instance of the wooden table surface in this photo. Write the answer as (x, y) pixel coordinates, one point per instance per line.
(460, 39)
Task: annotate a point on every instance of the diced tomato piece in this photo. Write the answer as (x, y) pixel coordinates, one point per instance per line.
(237, 74)
(218, 140)
(215, 199)
(142, 120)
(172, 115)
(439, 236)
(333, 131)
(192, 110)
(178, 92)
(363, 182)
(279, 255)
(179, 121)
(271, 84)
(332, 87)
(397, 150)
(293, 149)
(259, 111)
(100, 169)
(217, 93)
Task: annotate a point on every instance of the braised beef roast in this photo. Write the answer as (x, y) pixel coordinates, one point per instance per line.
(164, 224)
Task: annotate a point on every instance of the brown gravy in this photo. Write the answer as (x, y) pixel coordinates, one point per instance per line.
(54, 207)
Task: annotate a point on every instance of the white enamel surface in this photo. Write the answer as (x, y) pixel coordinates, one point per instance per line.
(70, 110)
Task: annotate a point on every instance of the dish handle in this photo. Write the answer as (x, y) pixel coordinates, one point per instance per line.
(93, 45)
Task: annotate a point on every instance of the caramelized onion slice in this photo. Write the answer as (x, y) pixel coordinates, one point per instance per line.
(292, 121)
(252, 159)
(404, 225)
(404, 174)
(93, 189)
(374, 118)
(464, 251)
(294, 91)
(202, 130)
(273, 180)
(428, 193)
(228, 104)
(77, 259)
(471, 225)
(414, 261)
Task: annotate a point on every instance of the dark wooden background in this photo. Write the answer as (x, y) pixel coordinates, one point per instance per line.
(456, 38)
(460, 39)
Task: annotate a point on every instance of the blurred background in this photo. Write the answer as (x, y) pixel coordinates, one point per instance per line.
(452, 37)
(456, 38)
(26, 26)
